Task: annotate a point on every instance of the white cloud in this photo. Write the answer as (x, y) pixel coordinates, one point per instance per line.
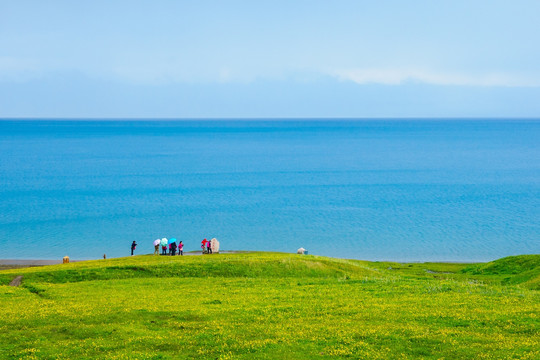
(401, 76)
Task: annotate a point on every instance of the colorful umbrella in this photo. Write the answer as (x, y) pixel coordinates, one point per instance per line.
(171, 240)
(157, 242)
(164, 242)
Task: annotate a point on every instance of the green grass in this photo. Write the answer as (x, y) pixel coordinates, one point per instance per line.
(522, 269)
(271, 305)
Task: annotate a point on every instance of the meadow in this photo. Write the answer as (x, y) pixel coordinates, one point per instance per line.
(271, 305)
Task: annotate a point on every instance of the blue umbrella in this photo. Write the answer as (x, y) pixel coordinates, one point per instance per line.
(172, 240)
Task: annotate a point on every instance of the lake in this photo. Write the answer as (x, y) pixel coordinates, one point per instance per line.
(385, 189)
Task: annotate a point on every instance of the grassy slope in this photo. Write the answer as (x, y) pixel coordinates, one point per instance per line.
(268, 305)
(524, 269)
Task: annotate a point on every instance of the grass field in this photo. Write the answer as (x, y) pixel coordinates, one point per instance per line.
(271, 305)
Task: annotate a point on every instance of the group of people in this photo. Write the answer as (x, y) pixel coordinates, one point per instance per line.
(206, 246)
(170, 247)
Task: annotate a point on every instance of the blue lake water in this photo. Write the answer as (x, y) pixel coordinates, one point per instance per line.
(404, 190)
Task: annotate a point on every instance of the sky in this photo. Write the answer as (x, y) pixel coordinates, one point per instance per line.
(269, 59)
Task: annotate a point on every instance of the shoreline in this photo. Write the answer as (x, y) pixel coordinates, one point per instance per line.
(6, 263)
(14, 263)
(31, 262)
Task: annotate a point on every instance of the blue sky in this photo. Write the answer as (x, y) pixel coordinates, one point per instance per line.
(199, 59)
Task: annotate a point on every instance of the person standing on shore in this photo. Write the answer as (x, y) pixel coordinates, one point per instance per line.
(156, 246)
(209, 247)
(203, 246)
(133, 246)
(164, 246)
(181, 248)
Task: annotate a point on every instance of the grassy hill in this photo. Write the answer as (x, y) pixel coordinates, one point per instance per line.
(271, 305)
(524, 270)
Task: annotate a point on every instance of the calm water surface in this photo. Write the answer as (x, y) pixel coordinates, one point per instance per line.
(401, 190)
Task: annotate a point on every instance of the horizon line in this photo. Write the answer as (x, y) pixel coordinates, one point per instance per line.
(244, 118)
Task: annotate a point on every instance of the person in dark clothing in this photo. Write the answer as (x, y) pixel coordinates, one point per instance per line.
(173, 249)
(133, 246)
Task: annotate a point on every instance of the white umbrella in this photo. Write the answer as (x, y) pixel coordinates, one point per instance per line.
(157, 242)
